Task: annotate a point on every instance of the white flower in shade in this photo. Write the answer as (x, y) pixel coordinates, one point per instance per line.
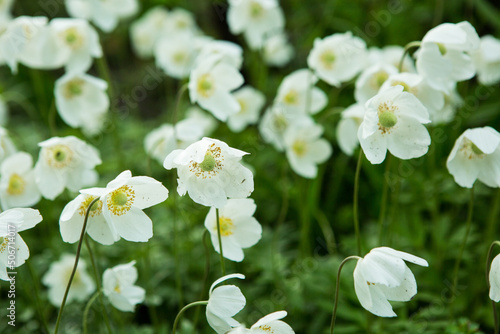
(390, 55)
(347, 128)
(277, 51)
(206, 121)
(210, 172)
(298, 95)
(394, 121)
(66, 162)
(231, 53)
(382, 275)
(337, 58)
(118, 286)
(256, 19)
(271, 323)
(238, 228)
(180, 21)
(487, 60)
(146, 31)
(442, 58)
(176, 54)
(371, 79)
(452, 102)
(7, 147)
(4, 112)
(12, 222)
(275, 121)
(81, 101)
(494, 279)
(57, 278)
(305, 149)
(17, 182)
(210, 84)
(476, 156)
(123, 200)
(251, 102)
(223, 303)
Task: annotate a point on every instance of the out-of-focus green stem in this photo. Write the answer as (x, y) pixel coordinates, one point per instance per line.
(355, 201)
(177, 318)
(383, 202)
(222, 265)
(87, 308)
(408, 47)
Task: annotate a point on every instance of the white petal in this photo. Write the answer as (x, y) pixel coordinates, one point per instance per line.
(494, 277)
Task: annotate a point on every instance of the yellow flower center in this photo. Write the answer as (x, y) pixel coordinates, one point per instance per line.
(471, 150)
(406, 88)
(256, 10)
(280, 123)
(210, 166)
(73, 88)
(58, 156)
(3, 244)
(95, 209)
(206, 85)
(386, 117)
(179, 57)
(73, 38)
(442, 48)
(292, 97)
(226, 226)
(378, 79)
(117, 288)
(16, 185)
(299, 147)
(327, 58)
(120, 201)
(243, 106)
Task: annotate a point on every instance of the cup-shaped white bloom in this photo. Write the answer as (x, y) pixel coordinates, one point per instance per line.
(487, 60)
(347, 128)
(337, 58)
(7, 147)
(277, 51)
(298, 94)
(494, 278)
(371, 79)
(145, 31)
(12, 222)
(81, 101)
(304, 147)
(123, 200)
(383, 275)
(118, 286)
(57, 278)
(394, 121)
(390, 55)
(238, 228)
(210, 172)
(17, 182)
(176, 54)
(223, 303)
(66, 162)
(251, 102)
(476, 156)
(256, 19)
(270, 323)
(275, 121)
(231, 53)
(210, 84)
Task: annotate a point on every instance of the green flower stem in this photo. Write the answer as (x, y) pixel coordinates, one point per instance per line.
(383, 202)
(337, 288)
(87, 309)
(36, 296)
(206, 273)
(77, 258)
(355, 201)
(180, 93)
(52, 119)
(175, 242)
(408, 47)
(493, 216)
(220, 243)
(488, 264)
(177, 318)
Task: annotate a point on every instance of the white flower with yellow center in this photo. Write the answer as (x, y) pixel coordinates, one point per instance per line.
(275, 121)
(251, 102)
(394, 121)
(487, 60)
(476, 156)
(176, 54)
(66, 162)
(12, 222)
(390, 55)
(231, 53)
(57, 278)
(210, 84)
(238, 228)
(277, 51)
(337, 58)
(210, 172)
(17, 182)
(118, 286)
(347, 128)
(146, 31)
(7, 147)
(371, 79)
(271, 323)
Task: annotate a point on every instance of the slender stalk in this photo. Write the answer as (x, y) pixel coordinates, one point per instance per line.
(220, 243)
(488, 264)
(383, 202)
(87, 309)
(77, 258)
(180, 93)
(205, 237)
(52, 119)
(493, 216)
(408, 47)
(355, 201)
(175, 241)
(337, 288)
(43, 321)
(177, 318)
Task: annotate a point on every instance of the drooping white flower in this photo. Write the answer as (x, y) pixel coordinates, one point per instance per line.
(210, 172)
(476, 156)
(118, 286)
(17, 182)
(452, 102)
(347, 128)
(277, 51)
(494, 279)
(487, 60)
(66, 162)
(382, 275)
(223, 303)
(371, 79)
(394, 121)
(238, 228)
(57, 278)
(256, 19)
(123, 200)
(7, 147)
(271, 323)
(337, 58)
(146, 31)
(12, 222)
(251, 102)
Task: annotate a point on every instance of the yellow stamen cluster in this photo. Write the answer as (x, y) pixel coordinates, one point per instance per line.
(266, 328)
(226, 226)
(299, 147)
(73, 88)
(16, 185)
(327, 58)
(205, 85)
(211, 165)
(256, 10)
(291, 98)
(378, 79)
(179, 57)
(471, 151)
(58, 156)
(95, 210)
(3, 244)
(117, 288)
(73, 38)
(120, 200)
(406, 88)
(370, 283)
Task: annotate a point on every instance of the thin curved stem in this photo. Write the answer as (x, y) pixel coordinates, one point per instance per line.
(178, 317)
(180, 93)
(205, 237)
(408, 47)
(488, 264)
(87, 309)
(383, 204)
(337, 288)
(355, 201)
(222, 265)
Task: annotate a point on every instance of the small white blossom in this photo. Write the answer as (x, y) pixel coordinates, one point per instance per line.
(347, 128)
(118, 286)
(277, 50)
(275, 121)
(487, 60)
(251, 102)
(494, 279)
(371, 79)
(147, 30)
(176, 54)
(270, 323)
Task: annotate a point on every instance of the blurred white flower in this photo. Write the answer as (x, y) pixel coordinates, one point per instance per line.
(487, 60)
(66, 162)
(17, 182)
(57, 278)
(210, 172)
(7, 147)
(5, 8)
(231, 53)
(382, 275)
(238, 228)
(277, 51)
(176, 54)
(270, 323)
(223, 303)
(494, 278)
(12, 222)
(347, 128)
(371, 79)
(390, 55)
(251, 102)
(123, 200)
(118, 286)
(275, 121)
(452, 102)
(180, 21)
(476, 155)
(203, 119)
(146, 31)
(337, 58)
(394, 121)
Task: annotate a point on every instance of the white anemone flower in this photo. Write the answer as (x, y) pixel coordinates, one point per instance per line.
(17, 182)
(275, 121)
(147, 30)
(487, 60)
(81, 101)
(271, 323)
(371, 79)
(394, 121)
(223, 303)
(347, 128)
(66, 162)
(238, 228)
(256, 19)
(337, 58)
(390, 55)
(181, 21)
(251, 102)
(277, 51)
(382, 275)
(232, 53)
(476, 156)
(118, 286)
(57, 278)
(176, 54)
(210, 84)
(494, 279)
(7, 147)
(123, 200)
(12, 222)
